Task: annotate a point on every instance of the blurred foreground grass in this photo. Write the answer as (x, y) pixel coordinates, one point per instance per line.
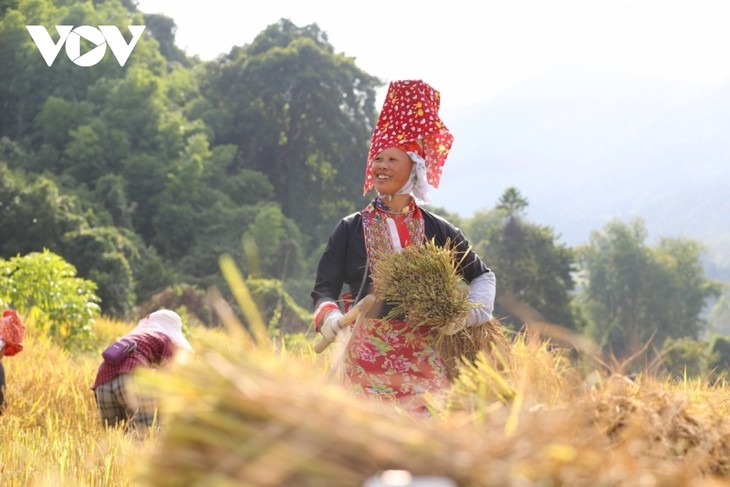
(239, 414)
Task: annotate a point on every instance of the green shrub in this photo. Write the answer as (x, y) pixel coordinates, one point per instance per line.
(719, 363)
(684, 357)
(44, 287)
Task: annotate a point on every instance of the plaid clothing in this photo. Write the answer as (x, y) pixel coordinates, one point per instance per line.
(153, 349)
(117, 396)
(120, 402)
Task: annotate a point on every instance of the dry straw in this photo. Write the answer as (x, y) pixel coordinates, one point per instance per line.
(253, 420)
(424, 285)
(465, 345)
(247, 417)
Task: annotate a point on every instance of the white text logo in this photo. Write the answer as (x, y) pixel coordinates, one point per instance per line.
(71, 37)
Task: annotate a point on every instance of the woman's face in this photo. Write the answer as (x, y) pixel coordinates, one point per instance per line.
(391, 170)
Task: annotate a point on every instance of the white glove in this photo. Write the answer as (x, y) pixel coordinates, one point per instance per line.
(331, 325)
(482, 291)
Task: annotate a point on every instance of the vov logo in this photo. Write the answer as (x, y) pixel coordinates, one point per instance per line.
(71, 36)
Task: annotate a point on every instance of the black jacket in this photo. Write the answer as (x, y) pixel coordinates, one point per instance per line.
(344, 260)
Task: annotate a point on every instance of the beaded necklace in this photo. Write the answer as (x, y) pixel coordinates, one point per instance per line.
(380, 234)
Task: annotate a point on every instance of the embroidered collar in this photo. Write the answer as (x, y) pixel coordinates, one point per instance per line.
(378, 232)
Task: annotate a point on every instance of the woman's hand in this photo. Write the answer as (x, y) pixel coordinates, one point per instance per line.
(331, 325)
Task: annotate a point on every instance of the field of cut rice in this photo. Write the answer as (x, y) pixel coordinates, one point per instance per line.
(236, 413)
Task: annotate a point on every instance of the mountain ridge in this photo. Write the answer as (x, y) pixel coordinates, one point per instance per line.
(588, 149)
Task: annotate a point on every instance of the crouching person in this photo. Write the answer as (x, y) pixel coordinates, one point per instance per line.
(152, 343)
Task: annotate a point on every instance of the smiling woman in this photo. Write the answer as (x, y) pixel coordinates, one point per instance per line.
(391, 170)
(387, 357)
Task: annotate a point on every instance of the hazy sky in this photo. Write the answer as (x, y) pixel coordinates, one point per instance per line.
(470, 50)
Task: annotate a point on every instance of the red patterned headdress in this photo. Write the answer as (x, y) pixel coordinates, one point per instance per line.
(410, 121)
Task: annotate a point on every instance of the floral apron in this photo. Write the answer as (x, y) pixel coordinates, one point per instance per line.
(389, 359)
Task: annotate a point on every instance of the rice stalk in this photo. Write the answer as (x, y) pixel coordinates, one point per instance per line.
(424, 285)
(467, 344)
(250, 420)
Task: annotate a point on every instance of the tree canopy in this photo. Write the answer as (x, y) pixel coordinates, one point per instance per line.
(141, 176)
(534, 271)
(636, 294)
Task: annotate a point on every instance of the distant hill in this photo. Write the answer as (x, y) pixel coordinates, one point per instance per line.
(587, 150)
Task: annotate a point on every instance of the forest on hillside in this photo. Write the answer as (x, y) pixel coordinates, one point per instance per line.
(141, 176)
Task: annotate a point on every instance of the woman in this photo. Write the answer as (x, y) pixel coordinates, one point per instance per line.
(389, 359)
(155, 340)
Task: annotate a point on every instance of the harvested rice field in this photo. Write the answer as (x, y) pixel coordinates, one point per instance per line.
(240, 413)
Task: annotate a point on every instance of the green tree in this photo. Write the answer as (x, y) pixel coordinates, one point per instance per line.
(145, 174)
(719, 318)
(105, 256)
(719, 361)
(110, 192)
(194, 220)
(36, 213)
(163, 29)
(300, 114)
(512, 202)
(684, 357)
(534, 272)
(278, 241)
(54, 125)
(44, 286)
(635, 293)
(26, 81)
(44, 216)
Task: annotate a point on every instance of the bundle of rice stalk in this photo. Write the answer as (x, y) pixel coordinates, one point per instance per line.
(253, 422)
(424, 285)
(465, 345)
(246, 422)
